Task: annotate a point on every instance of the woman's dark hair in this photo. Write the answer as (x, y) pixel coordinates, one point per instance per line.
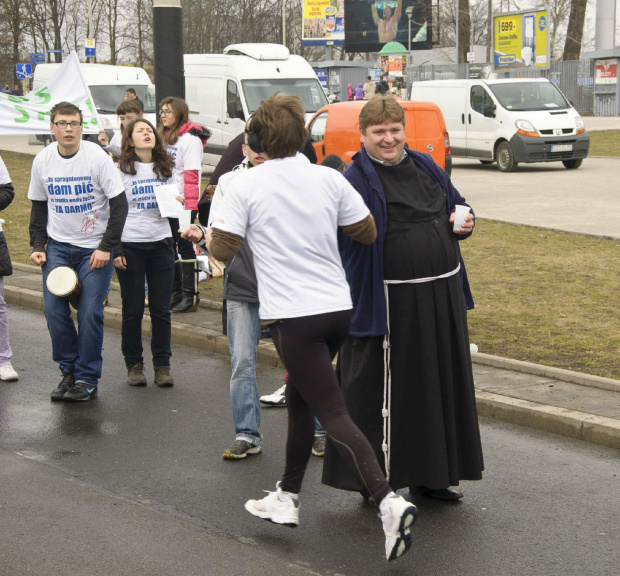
(162, 161)
(181, 111)
(280, 124)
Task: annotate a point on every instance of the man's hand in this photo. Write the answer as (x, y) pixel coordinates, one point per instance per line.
(120, 262)
(99, 259)
(467, 226)
(38, 258)
(103, 138)
(210, 190)
(193, 233)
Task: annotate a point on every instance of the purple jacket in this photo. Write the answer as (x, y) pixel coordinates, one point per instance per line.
(363, 264)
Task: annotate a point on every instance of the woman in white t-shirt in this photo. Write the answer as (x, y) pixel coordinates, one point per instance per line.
(185, 142)
(289, 212)
(146, 249)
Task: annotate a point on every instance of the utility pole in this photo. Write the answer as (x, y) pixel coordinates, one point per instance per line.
(168, 49)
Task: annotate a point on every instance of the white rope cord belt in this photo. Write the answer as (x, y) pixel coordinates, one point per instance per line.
(387, 367)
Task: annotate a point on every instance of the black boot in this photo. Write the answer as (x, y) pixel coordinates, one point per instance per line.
(177, 286)
(191, 296)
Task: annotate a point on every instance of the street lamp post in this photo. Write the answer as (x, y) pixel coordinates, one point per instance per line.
(409, 12)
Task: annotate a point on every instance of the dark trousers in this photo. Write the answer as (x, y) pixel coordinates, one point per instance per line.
(307, 346)
(184, 247)
(157, 265)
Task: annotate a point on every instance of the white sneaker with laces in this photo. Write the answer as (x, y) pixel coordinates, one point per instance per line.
(8, 374)
(278, 507)
(275, 399)
(397, 516)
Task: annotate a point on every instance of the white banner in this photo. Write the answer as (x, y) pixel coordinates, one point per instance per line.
(30, 114)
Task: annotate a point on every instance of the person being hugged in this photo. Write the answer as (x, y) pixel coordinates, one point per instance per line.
(146, 249)
(185, 142)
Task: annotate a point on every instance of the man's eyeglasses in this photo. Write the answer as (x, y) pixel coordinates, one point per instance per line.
(63, 125)
(165, 112)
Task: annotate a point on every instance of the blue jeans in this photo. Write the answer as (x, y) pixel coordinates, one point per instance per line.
(77, 350)
(157, 264)
(243, 338)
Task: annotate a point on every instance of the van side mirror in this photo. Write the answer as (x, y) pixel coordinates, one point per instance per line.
(489, 110)
(234, 110)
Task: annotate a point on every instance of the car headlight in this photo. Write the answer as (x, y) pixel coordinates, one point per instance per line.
(579, 123)
(525, 126)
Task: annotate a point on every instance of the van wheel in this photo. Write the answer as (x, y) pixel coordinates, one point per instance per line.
(572, 164)
(486, 162)
(505, 158)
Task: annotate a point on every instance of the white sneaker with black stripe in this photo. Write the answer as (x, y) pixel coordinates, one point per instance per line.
(275, 399)
(397, 516)
(278, 507)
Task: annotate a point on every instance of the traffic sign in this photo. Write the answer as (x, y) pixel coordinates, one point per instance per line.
(89, 51)
(54, 51)
(37, 57)
(471, 56)
(23, 71)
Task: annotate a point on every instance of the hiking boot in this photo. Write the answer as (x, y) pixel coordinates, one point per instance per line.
(135, 375)
(275, 399)
(397, 516)
(65, 385)
(318, 448)
(8, 374)
(278, 507)
(163, 377)
(240, 449)
(81, 392)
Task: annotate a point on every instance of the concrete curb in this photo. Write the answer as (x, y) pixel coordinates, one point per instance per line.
(571, 423)
(574, 424)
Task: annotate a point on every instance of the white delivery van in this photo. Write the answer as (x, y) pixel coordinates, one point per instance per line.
(107, 86)
(223, 90)
(508, 121)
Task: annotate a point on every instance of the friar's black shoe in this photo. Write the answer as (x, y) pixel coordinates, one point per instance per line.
(437, 493)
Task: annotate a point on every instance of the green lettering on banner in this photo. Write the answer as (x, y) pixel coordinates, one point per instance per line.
(93, 120)
(24, 118)
(44, 95)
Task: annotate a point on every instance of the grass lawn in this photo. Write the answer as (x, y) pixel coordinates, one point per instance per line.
(541, 296)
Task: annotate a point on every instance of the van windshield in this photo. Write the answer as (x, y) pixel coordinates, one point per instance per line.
(529, 96)
(107, 98)
(308, 89)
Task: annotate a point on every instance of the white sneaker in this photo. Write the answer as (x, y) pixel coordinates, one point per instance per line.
(278, 507)
(275, 399)
(8, 374)
(397, 516)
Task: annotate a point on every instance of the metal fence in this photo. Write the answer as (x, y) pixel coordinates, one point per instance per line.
(575, 78)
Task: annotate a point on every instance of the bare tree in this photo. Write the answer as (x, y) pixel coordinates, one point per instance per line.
(574, 32)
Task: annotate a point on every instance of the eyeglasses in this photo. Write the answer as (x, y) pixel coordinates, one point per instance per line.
(165, 112)
(63, 125)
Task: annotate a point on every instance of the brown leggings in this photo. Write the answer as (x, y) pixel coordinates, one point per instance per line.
(307, 346)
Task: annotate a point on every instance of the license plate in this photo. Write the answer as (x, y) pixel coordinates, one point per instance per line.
(561, 148)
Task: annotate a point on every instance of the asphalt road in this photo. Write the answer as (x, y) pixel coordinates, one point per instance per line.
(133, 483)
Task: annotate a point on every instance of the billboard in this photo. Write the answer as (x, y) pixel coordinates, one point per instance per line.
(606, 71)
(373, 23)
(323, 22)
(521, 39)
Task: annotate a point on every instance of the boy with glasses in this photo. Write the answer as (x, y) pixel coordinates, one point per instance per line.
(78, 212)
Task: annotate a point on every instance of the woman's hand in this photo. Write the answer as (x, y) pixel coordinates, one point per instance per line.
(120, 262)
(466, 227)
(181, 199)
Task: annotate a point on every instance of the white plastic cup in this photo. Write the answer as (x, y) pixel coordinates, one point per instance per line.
(460, 212)
(185, 219)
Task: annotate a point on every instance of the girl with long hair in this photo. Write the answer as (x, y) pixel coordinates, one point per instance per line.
(185, 142)
(146, 249)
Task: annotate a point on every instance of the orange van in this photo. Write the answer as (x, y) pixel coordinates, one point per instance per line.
(334, 129)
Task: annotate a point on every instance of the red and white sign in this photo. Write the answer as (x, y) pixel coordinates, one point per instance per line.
(606, 71)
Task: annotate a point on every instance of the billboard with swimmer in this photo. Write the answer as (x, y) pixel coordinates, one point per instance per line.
(521, 39)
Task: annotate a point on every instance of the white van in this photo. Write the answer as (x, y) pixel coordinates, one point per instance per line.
(223, 90)
(107, 86)
(508, 121)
